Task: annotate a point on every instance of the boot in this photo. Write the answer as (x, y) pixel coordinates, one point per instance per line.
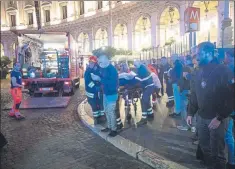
(119, 126)
(105, 130)
(113, 133)
(230, 166)
(150, 116)
(142, 122)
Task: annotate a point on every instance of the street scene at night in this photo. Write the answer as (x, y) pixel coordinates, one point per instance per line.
(117, 85)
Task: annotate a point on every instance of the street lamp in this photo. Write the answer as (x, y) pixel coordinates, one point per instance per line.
(206, 3)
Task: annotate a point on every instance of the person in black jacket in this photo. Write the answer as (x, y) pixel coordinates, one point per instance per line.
(212, 99)
(164, 75)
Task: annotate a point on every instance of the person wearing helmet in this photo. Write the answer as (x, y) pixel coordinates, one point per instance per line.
(109, 80)
(93, 90)
(212, 99)
(146, 80)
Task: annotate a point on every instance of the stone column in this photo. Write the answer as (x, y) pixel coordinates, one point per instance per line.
(90, 41)
(153, 29)
(158, 32)
(182, 28)
(110, 27)
(6, 48)
(224, 24)
(220, 11)
(129, 34)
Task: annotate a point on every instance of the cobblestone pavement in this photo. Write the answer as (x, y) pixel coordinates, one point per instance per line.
(56, 139)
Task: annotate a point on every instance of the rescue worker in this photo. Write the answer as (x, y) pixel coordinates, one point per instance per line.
(93, 90)
(164, 75)
(127, 84)
(109, 82)
(212, 99)
(146, 80)
(229, 136)
(16, 91)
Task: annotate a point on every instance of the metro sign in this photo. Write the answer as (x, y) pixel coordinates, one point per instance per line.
(192, 19)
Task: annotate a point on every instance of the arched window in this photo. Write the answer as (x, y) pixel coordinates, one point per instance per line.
(120, 36)
(101, 38)
(142, 33)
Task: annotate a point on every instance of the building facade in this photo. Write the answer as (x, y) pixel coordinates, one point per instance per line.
(130, 25)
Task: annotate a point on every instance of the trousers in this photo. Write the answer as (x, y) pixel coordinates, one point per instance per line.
(96, 104)
(117, 111)
(184, 104)
(229, 140)
(109, 102)
(212, 142)
(177, 99)
(146, 101)
(169, 91)
(16, 94)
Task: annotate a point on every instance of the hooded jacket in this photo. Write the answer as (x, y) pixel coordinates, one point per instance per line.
(144, 76)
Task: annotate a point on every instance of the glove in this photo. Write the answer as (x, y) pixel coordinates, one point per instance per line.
(95, 77)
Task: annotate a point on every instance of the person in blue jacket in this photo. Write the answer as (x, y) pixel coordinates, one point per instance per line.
(176, 74)
(146, 80)
(109, 82)
(93, 90)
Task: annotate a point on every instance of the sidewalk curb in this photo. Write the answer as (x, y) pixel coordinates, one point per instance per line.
(140, 153)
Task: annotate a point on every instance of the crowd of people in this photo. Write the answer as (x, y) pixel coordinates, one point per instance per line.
(200, 90)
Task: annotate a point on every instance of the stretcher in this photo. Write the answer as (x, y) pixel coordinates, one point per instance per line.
(131, 95)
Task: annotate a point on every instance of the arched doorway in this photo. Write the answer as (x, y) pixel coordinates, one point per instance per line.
(101, 38)
(208, 21)
(169, 30)
(142, 33)
(120, 36)
(83, 43)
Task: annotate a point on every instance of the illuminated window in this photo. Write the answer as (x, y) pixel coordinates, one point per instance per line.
(30, 18)
(13, 20)
(47, 15)
(64, 12)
